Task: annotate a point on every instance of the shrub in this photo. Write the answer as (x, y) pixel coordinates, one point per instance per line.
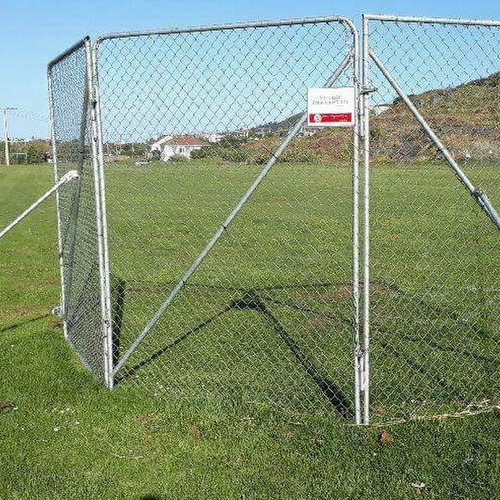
(36, 153)
(178, 159)
(233, 155)
(199, 153)
(259, 158)
(299, 156)
(226, 153)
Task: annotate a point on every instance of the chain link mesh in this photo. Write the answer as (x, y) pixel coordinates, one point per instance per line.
(435, 286)
(189, 119)
(78, 236)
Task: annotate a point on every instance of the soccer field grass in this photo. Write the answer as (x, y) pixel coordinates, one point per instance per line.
(71, 438)
(269, 314)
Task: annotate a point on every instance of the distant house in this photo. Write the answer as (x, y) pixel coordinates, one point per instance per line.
(182, 145)
(379, 109)
(157, 142)
(212, 137)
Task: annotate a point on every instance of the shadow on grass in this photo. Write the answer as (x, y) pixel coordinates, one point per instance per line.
(432, 309)
(437, 378)
(259, 301)
(329, 389)
(251, 300)
(24, 323)
(129, 372)
(424, 309)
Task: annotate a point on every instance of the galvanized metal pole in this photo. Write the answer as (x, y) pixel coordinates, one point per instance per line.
(355, 231)
(431, 20)
(72, 174)
(161, 311)
(6, 137)
(6, 133)
(223, 27)
(98, 166)
(365, 352)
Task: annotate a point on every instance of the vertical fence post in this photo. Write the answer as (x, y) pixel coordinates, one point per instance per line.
(365, 359)
(97, 163)
(105, 247)
(355, 235)
(58, 201)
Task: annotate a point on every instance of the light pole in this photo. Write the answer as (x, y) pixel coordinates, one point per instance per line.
(6, 133)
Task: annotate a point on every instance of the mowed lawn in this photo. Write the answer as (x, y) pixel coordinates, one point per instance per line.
(71, 438)
(270, 308)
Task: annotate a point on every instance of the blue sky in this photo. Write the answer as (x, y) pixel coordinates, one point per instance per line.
(35, 31)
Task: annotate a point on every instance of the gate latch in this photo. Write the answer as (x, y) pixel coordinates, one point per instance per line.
(367, 90)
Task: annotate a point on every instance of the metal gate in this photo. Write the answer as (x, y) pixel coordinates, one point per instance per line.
(432, 152)
(80, 213)
(222, 259)
(230, 232)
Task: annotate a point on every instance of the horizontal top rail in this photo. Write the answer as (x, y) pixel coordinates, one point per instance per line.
(229, 26)
(69, 51)
(435, 20)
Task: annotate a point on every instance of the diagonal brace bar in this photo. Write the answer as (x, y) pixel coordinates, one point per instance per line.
(72, 174)
(477, 193)
(161, 311)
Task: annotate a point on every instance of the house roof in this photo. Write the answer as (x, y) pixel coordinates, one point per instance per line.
(186, 140)
(159, 139)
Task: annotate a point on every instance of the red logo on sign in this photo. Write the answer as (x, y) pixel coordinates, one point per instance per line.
(330, 118)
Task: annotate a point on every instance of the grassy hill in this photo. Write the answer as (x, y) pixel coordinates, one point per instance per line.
(466, 118)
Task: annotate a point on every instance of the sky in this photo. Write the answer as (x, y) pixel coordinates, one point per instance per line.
(33, 32)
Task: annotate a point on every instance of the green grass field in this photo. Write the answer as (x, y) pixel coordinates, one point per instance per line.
(435, 347)
(286, 263)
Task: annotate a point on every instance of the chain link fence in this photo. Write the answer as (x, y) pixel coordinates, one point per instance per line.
(268, 315)
(70, 98)
(434, 282)
(233, 229)
(197, 125)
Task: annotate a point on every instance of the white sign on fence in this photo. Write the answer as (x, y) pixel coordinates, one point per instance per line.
(327, 107)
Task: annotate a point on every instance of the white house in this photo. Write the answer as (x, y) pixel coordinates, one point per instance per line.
(212, 137)
(379, 109)
(157, 142)
(182, 145)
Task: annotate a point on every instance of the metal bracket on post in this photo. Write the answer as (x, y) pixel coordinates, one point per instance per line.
(72, 174)
(367, 90)
(360, 355)
(484, 202)
(57, 311)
